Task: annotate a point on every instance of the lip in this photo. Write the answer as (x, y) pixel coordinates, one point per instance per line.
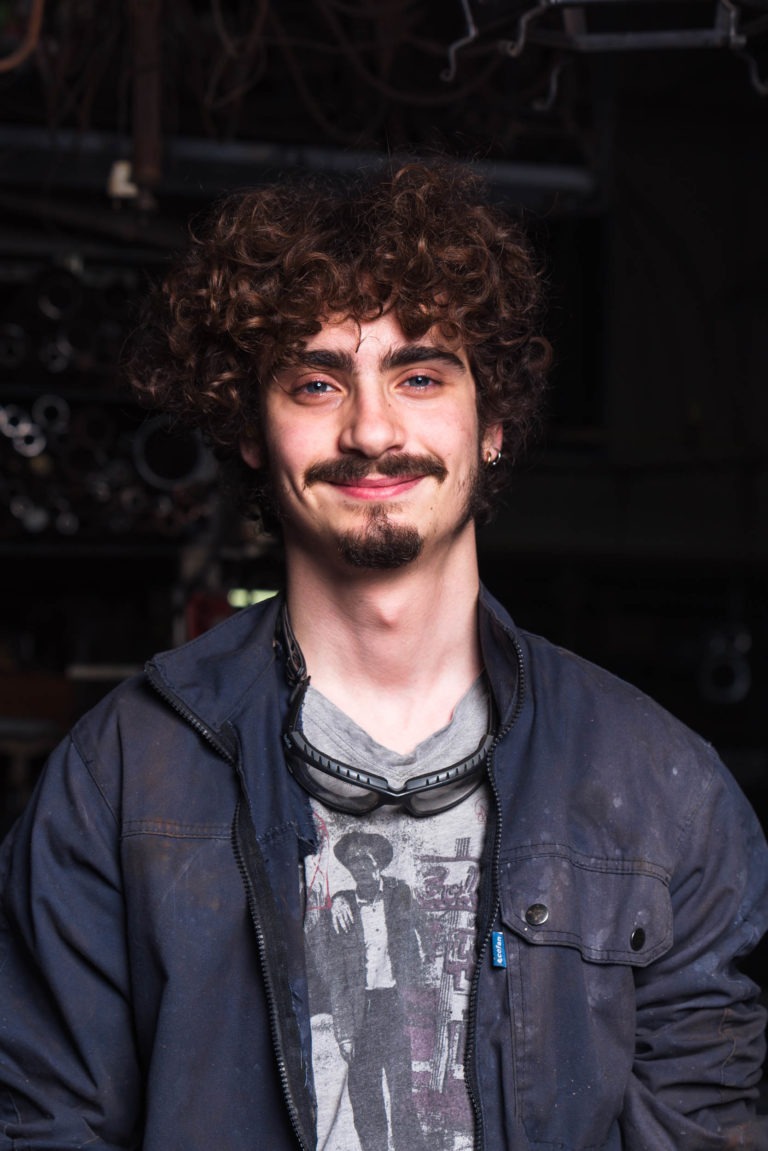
(379, 487)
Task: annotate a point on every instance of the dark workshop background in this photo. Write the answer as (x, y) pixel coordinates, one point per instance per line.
(632, 138)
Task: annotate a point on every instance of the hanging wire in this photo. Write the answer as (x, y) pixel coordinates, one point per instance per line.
(419, 99)
(30, 41)
(370, 11)
(220, 51)
(346, 137)
(453, 49)
(759, 84)
(546, 103)
(100, 66)
(71, 72)
(251, 57)
(230, 47)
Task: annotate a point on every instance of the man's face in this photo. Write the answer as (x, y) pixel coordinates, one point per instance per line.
(363, 867)
(373, 446)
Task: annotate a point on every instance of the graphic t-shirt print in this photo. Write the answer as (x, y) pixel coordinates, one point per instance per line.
(390, 933)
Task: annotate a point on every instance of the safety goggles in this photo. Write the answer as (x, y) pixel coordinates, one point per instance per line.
(356, 792)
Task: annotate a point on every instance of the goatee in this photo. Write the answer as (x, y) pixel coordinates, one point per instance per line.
(381, 545)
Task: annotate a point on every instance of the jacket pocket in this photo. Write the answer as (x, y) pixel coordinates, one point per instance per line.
(609, 910)
(576, 927)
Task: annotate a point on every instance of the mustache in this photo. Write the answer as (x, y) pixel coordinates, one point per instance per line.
(399, 464)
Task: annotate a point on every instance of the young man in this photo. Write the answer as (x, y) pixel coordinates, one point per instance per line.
(552, 879)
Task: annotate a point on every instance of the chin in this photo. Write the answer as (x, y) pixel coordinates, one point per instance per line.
(381, 546)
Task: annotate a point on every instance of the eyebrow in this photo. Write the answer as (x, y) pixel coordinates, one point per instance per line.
(401, 357)
(408, 354)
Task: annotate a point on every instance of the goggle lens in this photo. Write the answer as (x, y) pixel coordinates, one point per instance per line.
(348, 789)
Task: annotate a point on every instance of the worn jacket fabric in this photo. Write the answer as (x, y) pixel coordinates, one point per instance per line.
(152, 985)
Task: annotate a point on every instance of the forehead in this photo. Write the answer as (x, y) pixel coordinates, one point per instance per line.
(382, 341)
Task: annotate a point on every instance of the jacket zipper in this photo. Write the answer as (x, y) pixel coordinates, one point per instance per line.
(472, 1024)
(272, 1009)
(230, 757)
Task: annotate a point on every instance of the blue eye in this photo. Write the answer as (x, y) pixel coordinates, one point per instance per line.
(419, 382)
(316, 387)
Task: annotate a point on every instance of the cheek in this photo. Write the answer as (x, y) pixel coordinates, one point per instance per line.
(288, 452)
(466, 445)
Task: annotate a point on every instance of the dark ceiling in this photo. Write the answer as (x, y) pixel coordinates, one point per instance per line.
(198, 95)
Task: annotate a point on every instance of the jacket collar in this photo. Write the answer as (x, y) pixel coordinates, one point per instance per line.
(500, 645)
(214, 675)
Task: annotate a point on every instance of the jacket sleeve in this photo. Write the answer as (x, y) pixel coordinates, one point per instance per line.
(700, 1032)
(69, 1074)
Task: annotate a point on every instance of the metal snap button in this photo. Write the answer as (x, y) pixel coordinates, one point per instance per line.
(537, 914)
(637, 939)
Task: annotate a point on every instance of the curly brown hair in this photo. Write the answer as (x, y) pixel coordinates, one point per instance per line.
(270, 265)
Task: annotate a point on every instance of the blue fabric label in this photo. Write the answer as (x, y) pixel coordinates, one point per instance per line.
(498, 949)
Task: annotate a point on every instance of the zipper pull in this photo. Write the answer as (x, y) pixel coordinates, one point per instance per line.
(498, 949)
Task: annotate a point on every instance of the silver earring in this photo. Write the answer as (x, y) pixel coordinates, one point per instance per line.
(492, 457)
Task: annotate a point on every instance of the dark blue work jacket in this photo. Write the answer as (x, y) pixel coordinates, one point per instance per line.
(152, 985)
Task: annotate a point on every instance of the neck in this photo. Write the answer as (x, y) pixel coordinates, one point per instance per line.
(367, 893)
(397, 650)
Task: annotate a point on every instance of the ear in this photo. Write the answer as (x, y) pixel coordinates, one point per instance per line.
(493, 438)
(252, 453)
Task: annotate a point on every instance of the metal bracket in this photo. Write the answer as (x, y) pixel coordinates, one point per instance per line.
(723, 33)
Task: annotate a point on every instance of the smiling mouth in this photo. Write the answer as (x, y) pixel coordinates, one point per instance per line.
(379, 487)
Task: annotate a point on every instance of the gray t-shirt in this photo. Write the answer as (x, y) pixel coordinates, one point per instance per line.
(390, 926)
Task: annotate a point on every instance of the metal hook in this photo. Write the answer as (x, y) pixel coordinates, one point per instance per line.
(514, 48)
(736, 42)
(547, 103)
(760, 85)
(449, 73)
(728, 17)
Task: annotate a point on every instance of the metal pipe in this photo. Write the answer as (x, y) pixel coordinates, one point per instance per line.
(147, 169)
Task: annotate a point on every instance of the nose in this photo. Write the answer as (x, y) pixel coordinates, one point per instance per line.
(372, 425)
